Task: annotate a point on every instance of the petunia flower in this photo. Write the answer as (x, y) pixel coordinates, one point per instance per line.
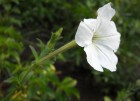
(100, 39)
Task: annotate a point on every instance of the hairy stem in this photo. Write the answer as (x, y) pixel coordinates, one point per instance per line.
(59, 50)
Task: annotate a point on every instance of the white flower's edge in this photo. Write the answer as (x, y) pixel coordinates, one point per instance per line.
(91, 55)
(83, 35)
(106, 12)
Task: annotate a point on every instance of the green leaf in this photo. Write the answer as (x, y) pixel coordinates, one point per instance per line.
(7, 7)
(16, 1)
(25, 75)
(106, 98)
(12, 80)
(54, 38)
(34, 52)
(51, 43)
(69, 82)
(41, 44)
(68, 86)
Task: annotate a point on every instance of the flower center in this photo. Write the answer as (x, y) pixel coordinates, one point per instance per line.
(95, 37)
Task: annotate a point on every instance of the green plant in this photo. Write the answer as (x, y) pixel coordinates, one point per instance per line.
(33, 81)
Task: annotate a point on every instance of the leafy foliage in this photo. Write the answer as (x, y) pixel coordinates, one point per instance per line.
(21, 22)
(33, 82)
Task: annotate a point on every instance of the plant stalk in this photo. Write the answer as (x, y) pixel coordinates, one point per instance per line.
(59, 50)
(49, 56)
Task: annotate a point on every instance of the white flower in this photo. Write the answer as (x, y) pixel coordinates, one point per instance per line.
(100, 39)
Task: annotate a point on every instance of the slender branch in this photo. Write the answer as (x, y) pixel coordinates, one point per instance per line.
(49, 56)
(56, 52)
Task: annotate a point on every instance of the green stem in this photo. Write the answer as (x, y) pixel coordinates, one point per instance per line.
(49, 56)
(59, 50)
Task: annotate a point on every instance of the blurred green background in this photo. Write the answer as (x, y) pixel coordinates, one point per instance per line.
(67, 77)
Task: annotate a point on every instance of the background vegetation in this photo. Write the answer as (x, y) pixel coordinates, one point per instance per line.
(38, 23)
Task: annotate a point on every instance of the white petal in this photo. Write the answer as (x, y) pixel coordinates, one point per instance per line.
(111, 42)
(83, 35)
(105, 28)
(106, 12)
(92, 57)
(107, 58)
(107, 35)
(91, 23)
